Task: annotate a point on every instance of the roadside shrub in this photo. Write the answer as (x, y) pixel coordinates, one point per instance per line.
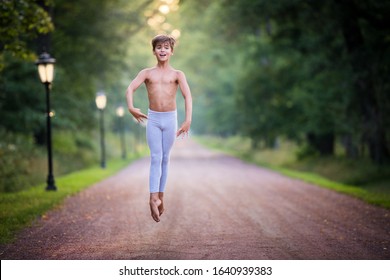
(306, 151)
(17, 154)
(23, 164)
(64, 143)
(73, 150)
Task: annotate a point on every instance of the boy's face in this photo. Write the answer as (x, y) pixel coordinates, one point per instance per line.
(163, 51)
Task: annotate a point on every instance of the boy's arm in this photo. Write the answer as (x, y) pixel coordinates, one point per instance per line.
(186, 92)
(138, 115)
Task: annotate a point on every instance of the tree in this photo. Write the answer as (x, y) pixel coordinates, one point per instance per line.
(212, 65)
(331, 51)
(21, 22)
(367, 46)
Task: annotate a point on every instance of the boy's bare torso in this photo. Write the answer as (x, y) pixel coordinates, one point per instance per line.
(162, 85)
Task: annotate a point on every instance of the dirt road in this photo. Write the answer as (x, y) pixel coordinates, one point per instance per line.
(217, 207)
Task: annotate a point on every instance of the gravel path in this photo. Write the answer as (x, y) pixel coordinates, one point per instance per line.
(217, 207)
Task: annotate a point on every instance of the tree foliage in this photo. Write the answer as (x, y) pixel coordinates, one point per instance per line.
(318, 71)
(90, 45)
(20, 22)
(315, 72)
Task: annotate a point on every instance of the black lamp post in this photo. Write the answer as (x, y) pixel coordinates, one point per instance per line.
(101, 101)
(120, 112)
(46, 74)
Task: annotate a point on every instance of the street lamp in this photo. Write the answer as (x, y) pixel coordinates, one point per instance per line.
(101, 101)
(46, 74)
(120, 112)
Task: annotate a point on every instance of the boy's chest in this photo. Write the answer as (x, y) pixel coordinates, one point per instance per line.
(162, 79)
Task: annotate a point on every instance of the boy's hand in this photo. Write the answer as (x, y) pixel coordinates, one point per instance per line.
(138, 115)
(185, 127)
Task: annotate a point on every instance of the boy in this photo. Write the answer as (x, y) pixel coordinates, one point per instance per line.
(161, 83)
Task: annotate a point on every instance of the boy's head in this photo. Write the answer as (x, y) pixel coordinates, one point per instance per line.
(160, 39)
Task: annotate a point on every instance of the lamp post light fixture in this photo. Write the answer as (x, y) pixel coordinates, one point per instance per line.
(101, 101)
(45, 65)
(120, 112)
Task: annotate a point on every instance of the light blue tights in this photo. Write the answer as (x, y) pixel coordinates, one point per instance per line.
(160, 133)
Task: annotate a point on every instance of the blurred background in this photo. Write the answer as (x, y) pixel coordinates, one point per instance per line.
(297, 83)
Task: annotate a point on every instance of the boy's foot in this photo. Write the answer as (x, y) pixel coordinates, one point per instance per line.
(155, 203)
(161, 207)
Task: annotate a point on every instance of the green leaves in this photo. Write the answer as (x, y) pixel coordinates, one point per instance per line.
(20, 22)
(320, 77)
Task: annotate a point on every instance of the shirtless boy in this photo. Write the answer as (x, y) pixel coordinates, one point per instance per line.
(161, 83)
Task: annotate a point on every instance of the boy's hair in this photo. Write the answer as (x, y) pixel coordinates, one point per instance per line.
(162, 39)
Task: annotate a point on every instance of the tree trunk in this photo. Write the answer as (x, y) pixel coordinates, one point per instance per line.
(351, 149)
(323, 143)
(372, 126)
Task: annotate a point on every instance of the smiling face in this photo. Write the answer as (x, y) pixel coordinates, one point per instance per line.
(163, 51)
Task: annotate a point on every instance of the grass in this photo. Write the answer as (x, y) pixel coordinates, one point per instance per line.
(20, 209)
(358, 178)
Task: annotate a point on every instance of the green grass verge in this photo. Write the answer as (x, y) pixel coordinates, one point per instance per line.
(20, 209)
(372, 186)
(356, 191)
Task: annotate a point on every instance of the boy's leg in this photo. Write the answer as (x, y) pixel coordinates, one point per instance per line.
(168, 139)
(168, 136)
(154, 139)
